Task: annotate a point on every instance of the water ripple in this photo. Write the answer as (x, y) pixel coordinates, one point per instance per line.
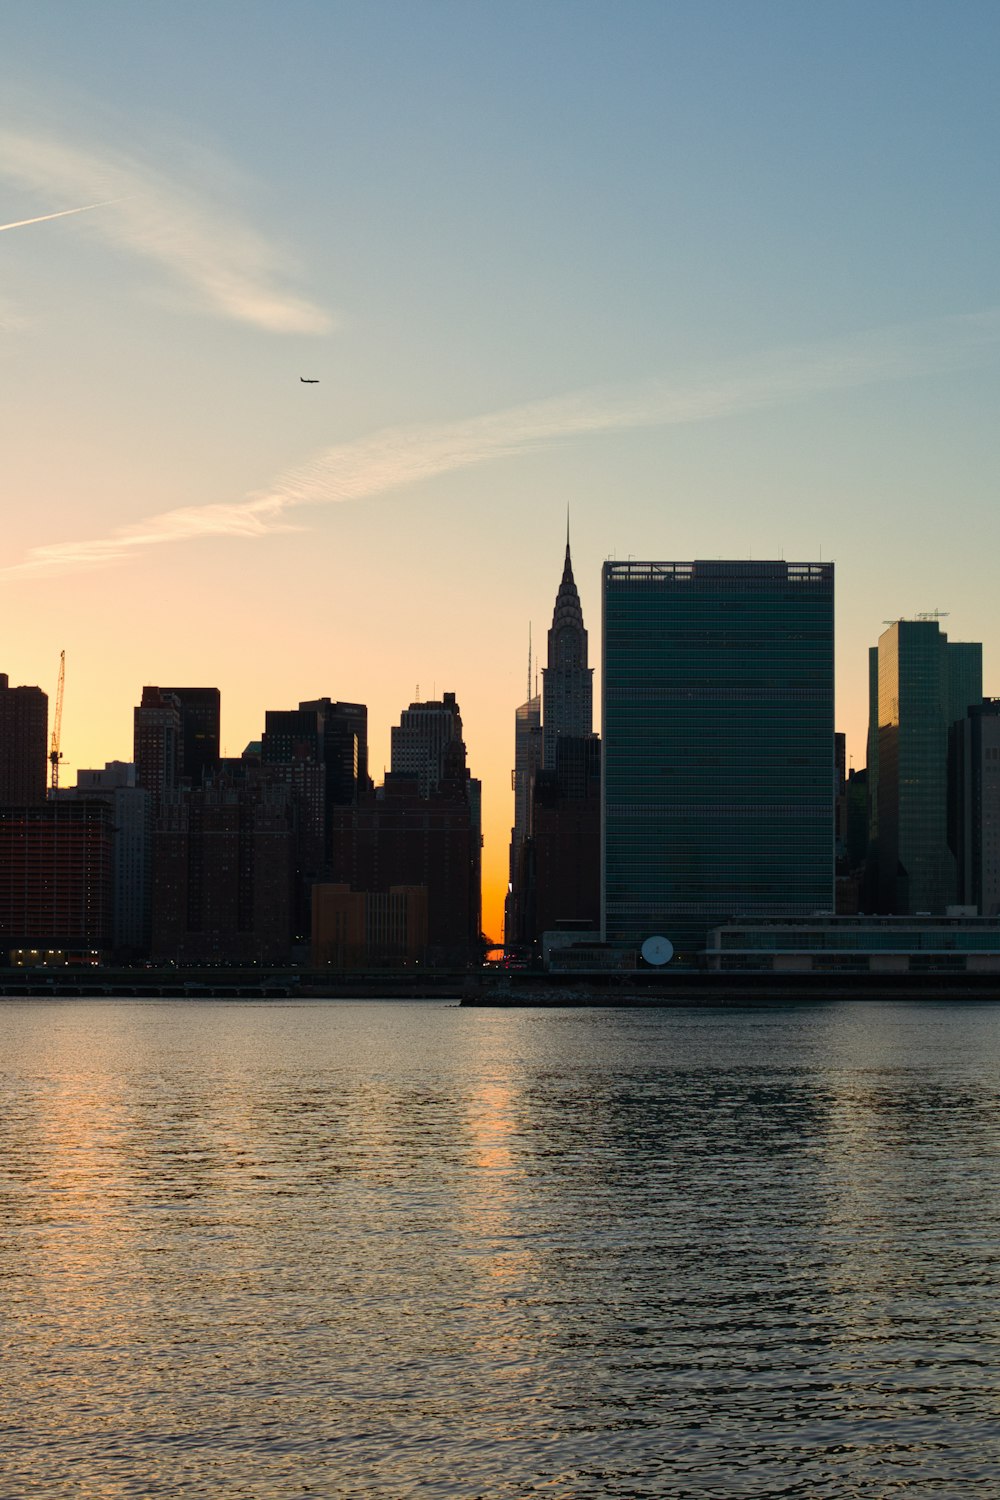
(408, 1250)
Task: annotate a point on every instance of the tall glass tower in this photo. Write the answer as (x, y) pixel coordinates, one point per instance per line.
(924, 685)
(718, 745)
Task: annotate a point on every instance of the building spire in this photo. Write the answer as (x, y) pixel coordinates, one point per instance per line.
(567, 577)
(567, 691)
(528, 696)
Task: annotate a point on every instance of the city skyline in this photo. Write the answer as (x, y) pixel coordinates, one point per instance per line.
(721, 280)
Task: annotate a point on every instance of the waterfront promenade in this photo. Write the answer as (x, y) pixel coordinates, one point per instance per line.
(225, 984)
(495, 987)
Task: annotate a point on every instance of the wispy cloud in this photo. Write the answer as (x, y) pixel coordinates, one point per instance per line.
(233, 270)
(401, 456)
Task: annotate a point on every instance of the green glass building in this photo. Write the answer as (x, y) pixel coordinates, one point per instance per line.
(717, 709)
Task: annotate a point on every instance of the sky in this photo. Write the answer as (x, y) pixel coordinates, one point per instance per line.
(721, 278)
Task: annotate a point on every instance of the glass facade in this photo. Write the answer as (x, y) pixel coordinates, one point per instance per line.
(719, 745)
(924, 685)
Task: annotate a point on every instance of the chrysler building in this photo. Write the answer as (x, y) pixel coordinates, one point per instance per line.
(567, 681)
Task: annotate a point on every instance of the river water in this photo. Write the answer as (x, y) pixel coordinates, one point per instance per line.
(395, 1250)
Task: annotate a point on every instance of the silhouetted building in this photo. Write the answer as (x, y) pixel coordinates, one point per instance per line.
(291, 734)
(200, 709)
(401, 836)
(422, 740)
(343, 731)
(975, 798)
(567, 680)
(131, 852)
(718, 745)
(23, 744)
(554, 860)
(223, 872)
(112, 776)
(55, 876)
(176, 739)
(855, 875)
(856, 838)
(320, 750)
(427, 745)
(291, 750)
(925, 684)
(565, 844)
(369, 929)
(158, 744)
(527, 763)
(871, 863)
(840, 794)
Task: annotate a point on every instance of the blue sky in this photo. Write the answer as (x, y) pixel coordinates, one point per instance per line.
(721, 277)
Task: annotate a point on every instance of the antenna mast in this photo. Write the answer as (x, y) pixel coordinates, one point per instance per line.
(528, 697)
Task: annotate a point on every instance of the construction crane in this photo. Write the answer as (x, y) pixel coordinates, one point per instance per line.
(55, 754)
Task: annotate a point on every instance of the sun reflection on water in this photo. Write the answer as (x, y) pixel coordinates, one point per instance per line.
(406, 1249)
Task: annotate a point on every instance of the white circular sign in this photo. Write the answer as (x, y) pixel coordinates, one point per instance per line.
(657, 950)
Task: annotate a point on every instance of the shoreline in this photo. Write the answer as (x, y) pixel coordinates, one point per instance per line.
(736, 988)
(488, 990)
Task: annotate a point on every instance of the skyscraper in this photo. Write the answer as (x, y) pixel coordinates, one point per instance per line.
(527, 763)
(925, 684)
(176, 738)
(157, 741)
(974, 821)
(343, 742)
(200, 718)
(554, 863)
(567, 680)
(23, 748)
(131, 850)
(564, 885)
(427, 745)
(405, 836)
(718, 745)
(422, 738)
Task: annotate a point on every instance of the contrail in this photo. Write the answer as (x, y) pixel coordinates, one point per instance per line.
(182, 229)
(42, 218)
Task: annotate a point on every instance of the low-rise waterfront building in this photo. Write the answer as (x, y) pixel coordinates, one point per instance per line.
(862, 944)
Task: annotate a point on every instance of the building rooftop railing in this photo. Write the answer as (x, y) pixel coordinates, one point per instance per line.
(713, 570)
